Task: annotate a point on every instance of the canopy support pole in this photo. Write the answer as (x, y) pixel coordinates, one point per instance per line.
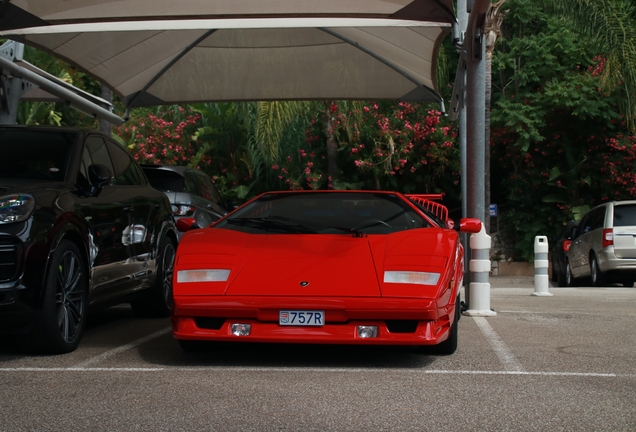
(17, 80)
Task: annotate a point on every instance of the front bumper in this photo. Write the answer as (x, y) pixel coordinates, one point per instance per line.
(400, 321)
(16, 311)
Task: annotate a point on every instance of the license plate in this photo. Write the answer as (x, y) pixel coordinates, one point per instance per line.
(301, 318)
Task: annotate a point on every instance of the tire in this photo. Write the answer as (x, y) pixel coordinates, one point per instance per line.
(596, 275)
(60, 326)
(157, 303)
(561, 278)
(570, 281)
(554, 274)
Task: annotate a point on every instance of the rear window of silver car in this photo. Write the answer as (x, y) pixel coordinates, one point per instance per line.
(625, 215)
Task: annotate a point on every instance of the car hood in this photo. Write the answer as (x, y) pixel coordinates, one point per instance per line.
(10, 186)
(315, 265)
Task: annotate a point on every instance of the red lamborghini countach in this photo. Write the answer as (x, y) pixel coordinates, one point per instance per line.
(333, 267)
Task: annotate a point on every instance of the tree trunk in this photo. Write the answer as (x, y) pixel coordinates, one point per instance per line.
(494, 19)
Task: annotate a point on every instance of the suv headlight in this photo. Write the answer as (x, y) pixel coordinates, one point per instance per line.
(16, 208)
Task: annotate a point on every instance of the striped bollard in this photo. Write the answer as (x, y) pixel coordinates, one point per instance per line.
(479, 265)
(541, 282)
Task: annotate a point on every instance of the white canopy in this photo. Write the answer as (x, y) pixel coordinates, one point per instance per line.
(154, 52)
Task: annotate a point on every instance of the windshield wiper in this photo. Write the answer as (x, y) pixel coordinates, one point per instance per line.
(353, 231)
(267, 223)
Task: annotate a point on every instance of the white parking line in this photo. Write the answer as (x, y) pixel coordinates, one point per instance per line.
(507, 358)
(121, 349)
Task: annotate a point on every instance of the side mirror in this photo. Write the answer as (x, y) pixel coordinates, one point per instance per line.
(187, 224)
(98, 176)
(470, 225)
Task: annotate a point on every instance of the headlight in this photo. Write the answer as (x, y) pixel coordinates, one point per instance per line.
(219, 275)
(408, 277)
(16, 208)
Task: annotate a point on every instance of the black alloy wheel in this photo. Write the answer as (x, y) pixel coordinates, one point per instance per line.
(167, 265)
(61, 323)
(157, 303)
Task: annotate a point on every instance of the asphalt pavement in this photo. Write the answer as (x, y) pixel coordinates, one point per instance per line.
(564, 362)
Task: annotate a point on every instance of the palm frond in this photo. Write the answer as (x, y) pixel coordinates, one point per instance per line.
(272, 118)
(610, 26)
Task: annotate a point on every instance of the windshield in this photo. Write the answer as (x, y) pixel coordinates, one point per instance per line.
(35, 154)
(325, 213)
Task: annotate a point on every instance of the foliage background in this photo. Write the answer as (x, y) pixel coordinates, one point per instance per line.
(559, 142)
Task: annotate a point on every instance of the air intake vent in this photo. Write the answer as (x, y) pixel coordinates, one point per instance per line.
(401, 326)
(209, 323)
(8, 260)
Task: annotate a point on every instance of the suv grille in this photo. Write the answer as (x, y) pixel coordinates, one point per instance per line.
(8, 260)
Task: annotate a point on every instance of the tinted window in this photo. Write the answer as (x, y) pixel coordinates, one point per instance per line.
(35, 154)
(625, 215)
(198, 184)
(95, 152)
(191, 184)
(126, 171)
(589, 220)
(209, 189)
(325, 213)
(598, 218)
(164, 180)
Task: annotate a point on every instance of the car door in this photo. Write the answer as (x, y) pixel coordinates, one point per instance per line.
(146, 217)
(593, 240)
(589, 229)
(574, 254)
(110, 217)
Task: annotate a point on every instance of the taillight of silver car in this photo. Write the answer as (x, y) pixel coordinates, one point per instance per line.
(608, 237)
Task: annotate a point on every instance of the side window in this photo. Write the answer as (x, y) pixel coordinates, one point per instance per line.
(95, 152)
(207, 189)
(127, 173)
(591, 220)
(598, 219)
(584, 226)
(191, 184)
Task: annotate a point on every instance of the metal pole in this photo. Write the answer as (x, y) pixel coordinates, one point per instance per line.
(474, 46)
(475, 133)
(462, 19)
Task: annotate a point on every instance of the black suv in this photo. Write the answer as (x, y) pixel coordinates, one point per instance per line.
(191, 192)
(80, 228)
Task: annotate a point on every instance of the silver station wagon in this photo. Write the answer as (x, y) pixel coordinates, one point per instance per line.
(603, 247)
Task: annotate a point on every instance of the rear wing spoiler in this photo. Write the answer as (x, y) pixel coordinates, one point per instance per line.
(426, 201)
